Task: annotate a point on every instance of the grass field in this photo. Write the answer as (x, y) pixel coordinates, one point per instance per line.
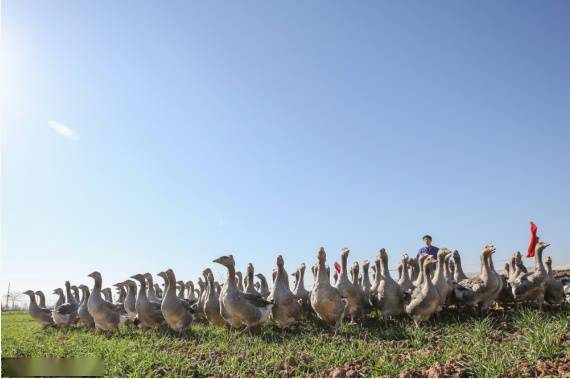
(516, 343)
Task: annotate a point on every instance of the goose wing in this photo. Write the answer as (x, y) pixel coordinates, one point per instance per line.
(66, 309)
(256, 300)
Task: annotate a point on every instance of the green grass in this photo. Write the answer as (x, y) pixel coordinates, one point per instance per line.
(492, 346)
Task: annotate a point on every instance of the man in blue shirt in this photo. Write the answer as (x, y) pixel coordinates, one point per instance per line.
(428, 248)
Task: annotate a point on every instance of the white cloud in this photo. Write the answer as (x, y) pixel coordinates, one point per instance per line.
(63, 130)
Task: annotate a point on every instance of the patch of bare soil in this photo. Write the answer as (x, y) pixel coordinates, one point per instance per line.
(348, 370)
(456, 367)
(558, 367)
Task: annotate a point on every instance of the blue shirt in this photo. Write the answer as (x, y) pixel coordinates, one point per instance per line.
(432, 250)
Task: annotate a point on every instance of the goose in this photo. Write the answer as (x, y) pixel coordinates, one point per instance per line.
(326, 300)
(60, 297)
(287, 308)
(239, 308)
(506, 294)
(405, 281)
(106, 315)
(121, 292)
(176, 311)
(439, 280)
(425, 299)
(263, 286)
(357, 281)
(201, 293)
(554, 292)
(415, 267)
(181, 289)
(449, 277)
(249, 287)
(83, 312)
(239, 280)
(458, 274)
(157, 290)
(212, 304)
(39, 314)
(148, 311)
(348, 290)
(75, 291)
(295, 275)
(366, 284)
(151, 294)
(107, 294)
(519, 267)
(532, 286)
(498, 281)
(481, 289)
(218, 288)
(66, 313)
(301, 292)
(190, 288)
(204, 289)
(420, 278)
(131, 299)
(42, 298)
(388, 298)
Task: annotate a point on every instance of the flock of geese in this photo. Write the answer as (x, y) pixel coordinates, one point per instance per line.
(425, 287)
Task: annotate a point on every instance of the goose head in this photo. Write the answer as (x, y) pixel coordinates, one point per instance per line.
(162, 274)
(321, 255)
(226, 260)
(189, 285)
(95, 275)
(280, 261)
(58, 291)
(383, 255)
(442, 253)
(30, 293)
(83, 287)
(541, 246)
(138, 277)
(548, 260)
(428, 263)
(405, 258)
(488, 250)
(206, 272)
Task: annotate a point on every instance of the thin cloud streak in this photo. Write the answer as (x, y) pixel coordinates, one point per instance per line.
(63, 130)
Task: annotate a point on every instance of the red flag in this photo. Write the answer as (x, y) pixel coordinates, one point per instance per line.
(533, 240)
(337, 267)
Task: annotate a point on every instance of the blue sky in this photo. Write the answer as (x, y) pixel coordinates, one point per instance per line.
(141, 136)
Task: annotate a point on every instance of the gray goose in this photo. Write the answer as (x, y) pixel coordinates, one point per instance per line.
(42, 298)
(357, 281)
(131, 299)
(83, 312)
(263, 286)
(176, 311)
(326, 300)
(120, 289)
(301, 292)
(239, 279)
(181, 289)
(405, 282)
(60, 297)
(148, 312)
(249, 286)
(532, 286)
(554, 292)
(389, 298)
(287, 309)
(190, 289)
(348, 290)
(439, 279)
(458, 274)
(106, 315)
(107, 294)
(424, 300)
(66, 314)
(157, 290)
(212, 304)
(239, 308)
(151, 294)
(39, 314)
(75, 291)
(479, 290)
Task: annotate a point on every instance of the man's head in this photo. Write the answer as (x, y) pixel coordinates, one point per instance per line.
(427, 240)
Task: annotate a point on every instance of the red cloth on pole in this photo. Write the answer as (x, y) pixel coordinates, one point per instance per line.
(337, 267)
(533, 240)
